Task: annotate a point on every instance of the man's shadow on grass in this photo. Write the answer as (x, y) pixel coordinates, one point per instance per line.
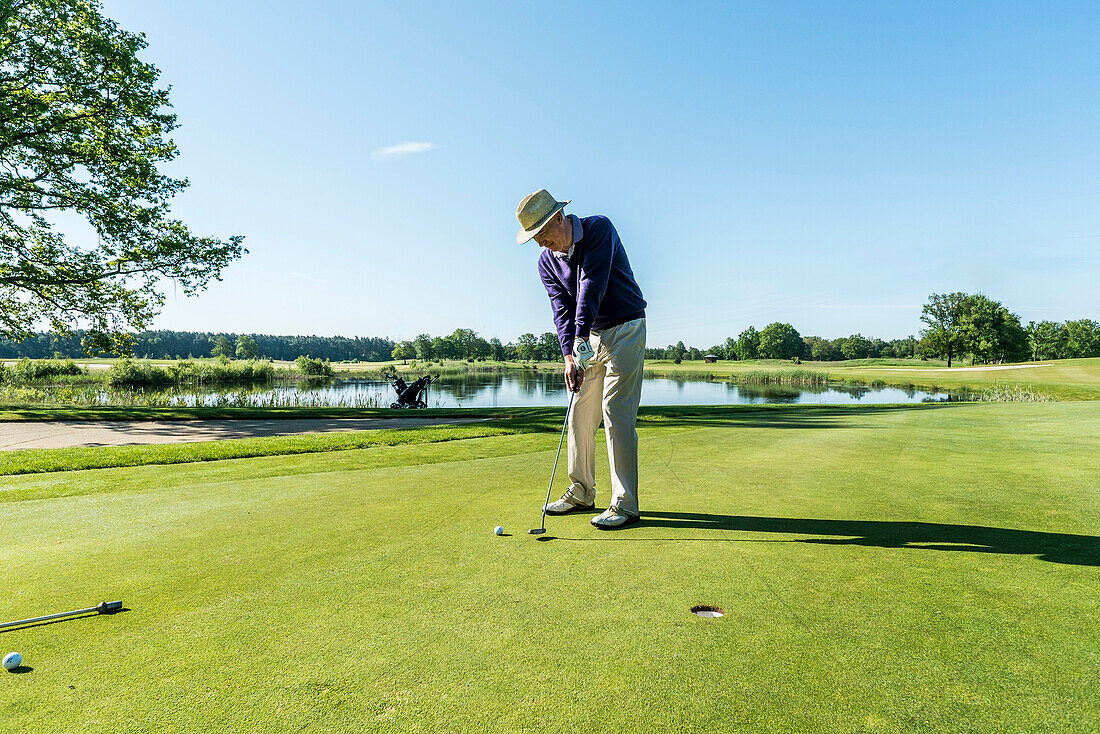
(1082, 550)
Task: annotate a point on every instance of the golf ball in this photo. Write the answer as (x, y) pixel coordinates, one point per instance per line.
(498, 530)
(12, 661)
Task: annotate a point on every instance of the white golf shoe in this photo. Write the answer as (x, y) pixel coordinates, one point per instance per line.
(572, 501)
(613, 517)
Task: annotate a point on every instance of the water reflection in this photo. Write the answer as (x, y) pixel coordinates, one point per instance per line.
(526, 388)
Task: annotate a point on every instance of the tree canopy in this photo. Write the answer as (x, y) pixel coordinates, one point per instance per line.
(961, 323)
(780, 341)
(83, 129)
(942, 337)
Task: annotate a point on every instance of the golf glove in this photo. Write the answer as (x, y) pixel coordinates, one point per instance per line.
(582, 353)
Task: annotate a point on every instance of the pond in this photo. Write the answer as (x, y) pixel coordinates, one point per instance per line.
(537, 389)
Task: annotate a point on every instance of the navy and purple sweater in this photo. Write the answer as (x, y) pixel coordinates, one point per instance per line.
(593, 288)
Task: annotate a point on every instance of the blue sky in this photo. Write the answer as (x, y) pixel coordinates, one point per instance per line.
(825, 164)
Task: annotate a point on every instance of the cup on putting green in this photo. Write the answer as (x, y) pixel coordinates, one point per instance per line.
(12, 661)
(498, 530)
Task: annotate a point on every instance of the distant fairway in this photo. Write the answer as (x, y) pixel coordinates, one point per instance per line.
(889, 569)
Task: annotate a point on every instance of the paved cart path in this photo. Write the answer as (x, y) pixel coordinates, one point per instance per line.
(64, 434)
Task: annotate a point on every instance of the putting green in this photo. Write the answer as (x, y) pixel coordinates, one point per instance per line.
(929, 569)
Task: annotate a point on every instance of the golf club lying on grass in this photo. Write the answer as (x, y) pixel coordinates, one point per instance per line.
(542, 529)
(104, 607)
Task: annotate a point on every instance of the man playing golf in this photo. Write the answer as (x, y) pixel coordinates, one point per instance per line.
(600, 317)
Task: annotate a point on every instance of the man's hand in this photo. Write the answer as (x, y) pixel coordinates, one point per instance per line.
(574, 375)
(583, 353)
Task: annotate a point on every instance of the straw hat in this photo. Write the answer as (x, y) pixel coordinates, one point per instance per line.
(534, 212)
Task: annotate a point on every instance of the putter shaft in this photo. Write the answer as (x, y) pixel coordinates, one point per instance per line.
(542, 528)
(107, 607)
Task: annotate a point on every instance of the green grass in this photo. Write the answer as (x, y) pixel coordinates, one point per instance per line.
(497, 422)
(888, 569)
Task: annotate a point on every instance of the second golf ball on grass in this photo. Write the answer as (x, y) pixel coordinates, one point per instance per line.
(498, 530)
(12, 661)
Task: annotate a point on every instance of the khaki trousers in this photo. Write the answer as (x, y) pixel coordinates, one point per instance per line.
(611, 391)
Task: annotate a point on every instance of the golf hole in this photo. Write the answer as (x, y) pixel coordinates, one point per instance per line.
(706, 610)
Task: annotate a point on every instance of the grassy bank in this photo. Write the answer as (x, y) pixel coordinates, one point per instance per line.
(904, 569)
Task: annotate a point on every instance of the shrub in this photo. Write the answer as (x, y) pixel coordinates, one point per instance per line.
(310, 366)
(128, 373)
(31, 371)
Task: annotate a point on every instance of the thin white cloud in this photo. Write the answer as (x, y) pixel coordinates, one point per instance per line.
(310, 278)
(401, 149)
(869, 306)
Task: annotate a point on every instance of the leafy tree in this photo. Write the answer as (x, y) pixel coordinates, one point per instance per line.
(527, 346)
(730, 349)
(1046, 340)
(222, 347)
(856, 347)
(404, 351)
(900, 348)
(462, 341)
(83, 129)
(819, 349)
(479, 348)
(443, 348)
(990, 332)
(748, 344)
(780, 341)
(941, 313)
(550, 347)
(497, 352)
(1082, 338)
(423, 346)
(822, 350)
(246, 347)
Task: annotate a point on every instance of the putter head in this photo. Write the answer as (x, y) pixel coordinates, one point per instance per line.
(537, 531)
(108, 607)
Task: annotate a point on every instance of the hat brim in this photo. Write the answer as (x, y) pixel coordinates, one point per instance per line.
(524, 235)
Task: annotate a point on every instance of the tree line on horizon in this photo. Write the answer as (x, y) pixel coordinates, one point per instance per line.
(957, 325)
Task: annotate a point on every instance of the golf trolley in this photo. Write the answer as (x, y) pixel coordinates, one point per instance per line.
(411, 396)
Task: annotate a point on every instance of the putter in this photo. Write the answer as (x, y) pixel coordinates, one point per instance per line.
(104, 607)
(542, 529)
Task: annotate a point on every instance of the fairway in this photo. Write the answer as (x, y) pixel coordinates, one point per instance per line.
(931, 569)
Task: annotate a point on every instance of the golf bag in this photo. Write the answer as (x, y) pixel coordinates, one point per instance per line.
(411, 396)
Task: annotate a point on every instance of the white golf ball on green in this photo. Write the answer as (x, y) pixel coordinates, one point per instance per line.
(12, 661)
(498, 530)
